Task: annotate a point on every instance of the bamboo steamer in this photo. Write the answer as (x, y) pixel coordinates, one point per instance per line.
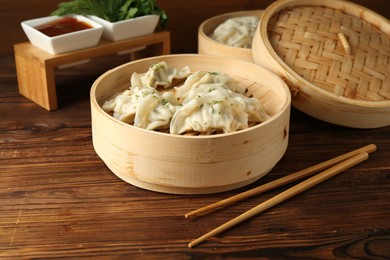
(182, 164)
(341, 81)
(207, 45)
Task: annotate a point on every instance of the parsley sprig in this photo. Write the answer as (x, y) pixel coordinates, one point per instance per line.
(112, 10)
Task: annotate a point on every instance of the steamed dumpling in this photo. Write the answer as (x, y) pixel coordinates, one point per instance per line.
(155, 112)
(159, 74)
(237, 31)
(188, 89)
(123, 106)
(143, 107)
(215, 107)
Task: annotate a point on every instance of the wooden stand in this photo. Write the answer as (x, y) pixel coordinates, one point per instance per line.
(35, 67)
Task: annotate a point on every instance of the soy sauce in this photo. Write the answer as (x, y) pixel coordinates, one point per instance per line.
(63, 26)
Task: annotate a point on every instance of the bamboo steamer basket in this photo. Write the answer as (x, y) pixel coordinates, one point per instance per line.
(299, 40)
(207, 45)
(182, 164)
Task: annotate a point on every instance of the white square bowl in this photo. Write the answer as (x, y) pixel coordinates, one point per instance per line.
(65, 42)
(129, 28)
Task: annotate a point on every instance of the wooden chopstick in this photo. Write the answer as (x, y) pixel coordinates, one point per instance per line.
(281, 181)
(304, 185)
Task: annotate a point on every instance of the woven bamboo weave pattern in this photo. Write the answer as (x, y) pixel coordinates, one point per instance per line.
(308, 39)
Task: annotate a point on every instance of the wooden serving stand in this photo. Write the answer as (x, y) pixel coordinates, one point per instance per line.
(35, 67)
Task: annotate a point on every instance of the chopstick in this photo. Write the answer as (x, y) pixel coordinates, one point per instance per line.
(281, 181)
(304, 185)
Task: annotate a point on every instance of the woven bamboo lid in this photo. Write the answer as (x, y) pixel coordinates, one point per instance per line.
(338, 49)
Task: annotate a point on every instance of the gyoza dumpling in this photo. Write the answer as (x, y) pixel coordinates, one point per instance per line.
(215, 107)
(154, 112)
(124, 105)
(143, 107)
(237, 31)
(189, 88)
(159, 74)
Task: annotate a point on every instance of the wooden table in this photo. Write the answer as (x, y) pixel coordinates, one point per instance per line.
(58, 199)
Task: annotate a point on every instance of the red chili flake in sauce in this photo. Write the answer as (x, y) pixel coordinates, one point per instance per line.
(62, 26)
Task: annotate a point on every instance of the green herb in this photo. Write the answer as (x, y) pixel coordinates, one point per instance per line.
(112, 10)
(157, 66)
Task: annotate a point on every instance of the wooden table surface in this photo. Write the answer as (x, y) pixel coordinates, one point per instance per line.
(59, 200)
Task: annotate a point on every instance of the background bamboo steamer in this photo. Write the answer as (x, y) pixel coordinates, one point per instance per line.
(192, 164)
(298, 40)
(207, 45)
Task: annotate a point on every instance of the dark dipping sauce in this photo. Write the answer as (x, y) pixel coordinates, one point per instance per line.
(62, 26)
